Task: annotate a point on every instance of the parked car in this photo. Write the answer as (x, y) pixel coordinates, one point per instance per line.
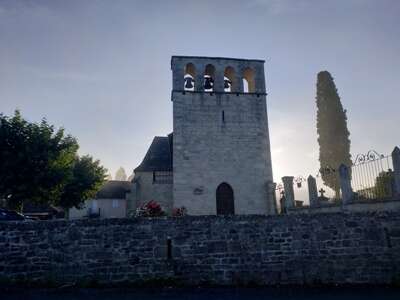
(10, 215)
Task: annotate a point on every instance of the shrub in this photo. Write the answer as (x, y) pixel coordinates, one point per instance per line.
(179, 212)
(150, 209)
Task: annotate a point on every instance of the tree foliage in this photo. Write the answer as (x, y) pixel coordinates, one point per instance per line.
(333, 135)
(39, 164)
(120, 174)
(384, 184)
(87, 177)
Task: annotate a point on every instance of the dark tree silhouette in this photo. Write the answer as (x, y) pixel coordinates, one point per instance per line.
(333, 135)
(40, 165)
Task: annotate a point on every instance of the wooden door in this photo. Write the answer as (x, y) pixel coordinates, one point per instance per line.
(225, 200)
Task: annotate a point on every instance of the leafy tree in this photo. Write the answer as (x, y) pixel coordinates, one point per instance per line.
(333, 135)
(37, 163)
(120, 174)
(87, 177)
(109, 177)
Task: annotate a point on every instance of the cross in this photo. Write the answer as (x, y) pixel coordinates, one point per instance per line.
(322, 191)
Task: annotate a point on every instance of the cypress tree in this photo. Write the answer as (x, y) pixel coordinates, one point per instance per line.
(333, 135)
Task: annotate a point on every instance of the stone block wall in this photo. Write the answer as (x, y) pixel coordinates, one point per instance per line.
(146, 190)
(221, 138)
(221, 135)
(337, 248)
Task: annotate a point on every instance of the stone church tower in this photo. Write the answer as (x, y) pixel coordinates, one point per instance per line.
(221, 150)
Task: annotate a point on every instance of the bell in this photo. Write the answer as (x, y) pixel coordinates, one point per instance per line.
(208, 83)
(227, 83)
(189, 83)
(299, 184)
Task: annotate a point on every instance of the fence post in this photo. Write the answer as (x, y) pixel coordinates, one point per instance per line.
(312, 191)
(345, 184)
(396, 167)
(289, 191)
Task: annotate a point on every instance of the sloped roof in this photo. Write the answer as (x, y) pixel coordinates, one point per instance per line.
(39, 208)
(114, 189)
(159, 155)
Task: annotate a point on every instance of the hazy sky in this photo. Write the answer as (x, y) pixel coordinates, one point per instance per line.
(101, 69)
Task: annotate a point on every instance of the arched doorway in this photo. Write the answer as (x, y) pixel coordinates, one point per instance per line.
(225, 200)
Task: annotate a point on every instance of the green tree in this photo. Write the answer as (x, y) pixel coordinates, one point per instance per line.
(87, 177)
(384, 184)
(37, 161)
(333, 135)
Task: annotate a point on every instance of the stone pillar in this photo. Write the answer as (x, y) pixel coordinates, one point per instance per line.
(271, 198)
(199, 78)
(219, 80)
(396, 167)
(178, 77)
(260, 79)
(239, 81)
(289, 191)
(345, 184)
(312, 191)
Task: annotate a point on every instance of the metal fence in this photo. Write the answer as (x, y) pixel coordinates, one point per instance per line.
(372, 176)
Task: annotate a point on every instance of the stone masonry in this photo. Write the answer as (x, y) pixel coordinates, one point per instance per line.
(146, 190)
(221, 137)
(336, 248)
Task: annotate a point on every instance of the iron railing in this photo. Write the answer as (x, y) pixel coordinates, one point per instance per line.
(372, 176)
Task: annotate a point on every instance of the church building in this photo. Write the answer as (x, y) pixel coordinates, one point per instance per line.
(218, 158)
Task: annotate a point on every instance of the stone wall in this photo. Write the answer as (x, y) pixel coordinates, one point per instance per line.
(146, 190)
(335, 248)
(221, 137)
(355, 206)
(210, 150)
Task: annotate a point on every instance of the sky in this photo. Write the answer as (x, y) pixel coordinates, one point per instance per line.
(101, 69)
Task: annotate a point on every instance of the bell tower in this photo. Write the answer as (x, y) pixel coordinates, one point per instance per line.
(221, 147)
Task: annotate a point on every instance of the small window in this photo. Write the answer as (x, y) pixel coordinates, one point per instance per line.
(115, 203)
(94, 205)
(223, 116)
(160, 177)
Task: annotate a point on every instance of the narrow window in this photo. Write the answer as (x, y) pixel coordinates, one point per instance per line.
(115, 203)
(169, 248)
(223, 116)
(94, 205)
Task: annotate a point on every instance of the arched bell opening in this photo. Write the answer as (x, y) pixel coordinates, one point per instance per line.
(225, 199)
(249, 84)
(189, 81)
(229, 79)
(209, 77)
